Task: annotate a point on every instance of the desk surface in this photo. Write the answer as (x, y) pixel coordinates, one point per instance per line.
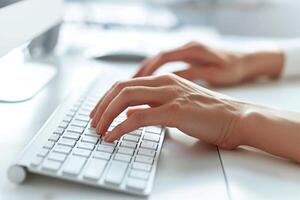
(187, 167)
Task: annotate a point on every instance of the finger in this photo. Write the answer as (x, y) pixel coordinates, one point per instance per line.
(92, 114)
(147, 117)
(142, 68)
(116, 88)
(163, 58)
(133, 110)
(187, 74)
(132, 96)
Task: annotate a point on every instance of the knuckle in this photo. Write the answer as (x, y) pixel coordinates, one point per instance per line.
(163, 56)
(192, 43)
(202, 48)
(126, 92)
(175, 106)
(169, 77)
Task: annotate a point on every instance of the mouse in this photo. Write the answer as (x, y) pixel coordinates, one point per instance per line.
(120, 56)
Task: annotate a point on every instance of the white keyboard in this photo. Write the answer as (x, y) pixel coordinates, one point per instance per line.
(68, 148)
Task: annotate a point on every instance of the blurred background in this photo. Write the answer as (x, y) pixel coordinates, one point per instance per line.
(93, 27)
(243, 17)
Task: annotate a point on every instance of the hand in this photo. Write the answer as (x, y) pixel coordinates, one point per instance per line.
(173, 102)
(217, 67)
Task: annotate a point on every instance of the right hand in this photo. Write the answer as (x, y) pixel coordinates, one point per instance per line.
(173, 102)
(216, 67)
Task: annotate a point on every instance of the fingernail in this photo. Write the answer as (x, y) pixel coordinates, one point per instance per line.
(98, 129)
(107, 137)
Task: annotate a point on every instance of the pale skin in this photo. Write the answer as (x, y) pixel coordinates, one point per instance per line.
(174, 101)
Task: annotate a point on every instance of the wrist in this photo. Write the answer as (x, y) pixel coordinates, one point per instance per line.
(238, 127)
(262, 64)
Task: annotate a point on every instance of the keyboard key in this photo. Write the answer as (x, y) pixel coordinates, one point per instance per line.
(82, 118)
(146, 152)
(59, 131)
(132, 138)
(36, 161)
(89, 139)
(128, 144)
(122, 157)
(71, 135)
(75, 129)
(141, 166)
(136, 184)
(136, 133)
(54, 137)
(154, 129)
(57, 157)
(151, 137)
(49, 145)
(88, 106)
(67, 142)
(125, 150)
(105, 148)
(94, 169)
(43, 152)
(116, 172)
(74, 165)
(71, 113)
(139, 174)
(67, 119)
(76, 105)
(63, 125)
(84, 112)
(85, 145)
(78, 123)
(144, 159)
(62, 149)
(149, 145)
(91, 132)
(102, 155)
(113, 144)
(51, 165)
(82, 152)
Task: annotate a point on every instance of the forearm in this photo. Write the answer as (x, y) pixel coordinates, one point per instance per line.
(274, 131)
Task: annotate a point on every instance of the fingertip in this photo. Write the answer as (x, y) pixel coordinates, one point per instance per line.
(98, 129)
(93, 123)
(108, 137)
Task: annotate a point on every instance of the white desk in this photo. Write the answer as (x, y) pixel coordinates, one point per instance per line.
(187, 168)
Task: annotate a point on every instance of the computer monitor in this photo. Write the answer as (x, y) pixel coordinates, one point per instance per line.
(20, 22)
